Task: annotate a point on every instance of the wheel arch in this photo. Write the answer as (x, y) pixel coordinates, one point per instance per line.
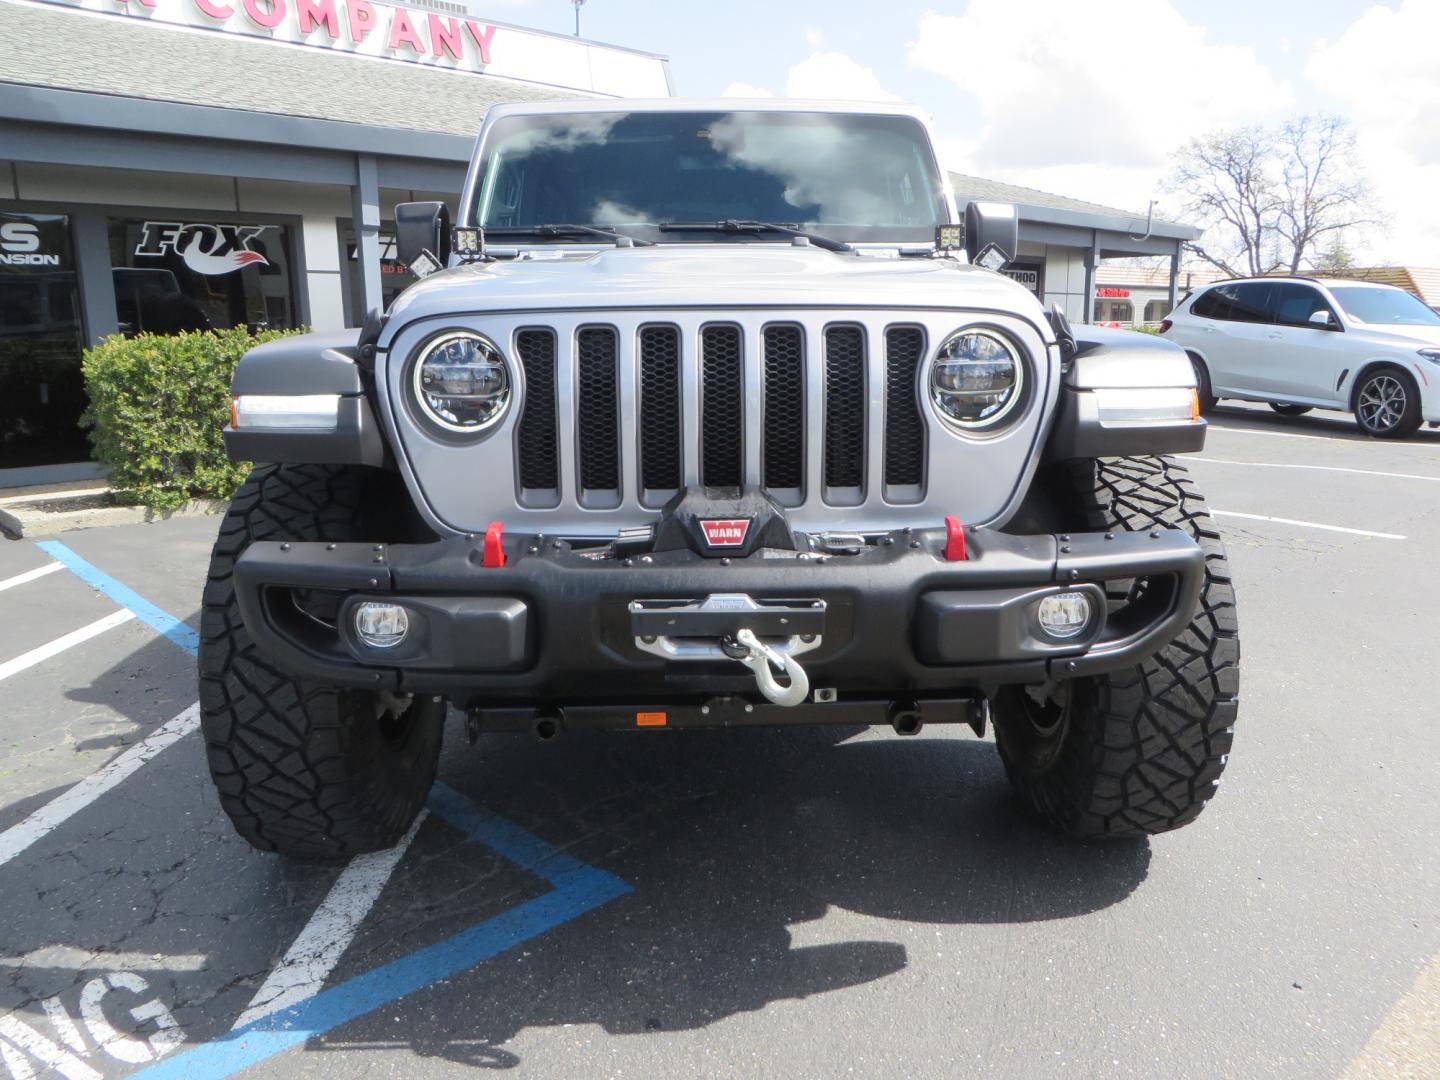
(1368, 367)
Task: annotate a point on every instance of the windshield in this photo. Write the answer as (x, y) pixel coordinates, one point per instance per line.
(844, 176)
(1393, 306)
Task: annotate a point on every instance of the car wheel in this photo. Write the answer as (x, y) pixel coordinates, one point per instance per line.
(1387, 404)
(1289, 410)
(301, 768)
(1202, 385)
(1140, 750)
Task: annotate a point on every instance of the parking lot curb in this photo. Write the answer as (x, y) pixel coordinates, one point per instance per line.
(47, 516)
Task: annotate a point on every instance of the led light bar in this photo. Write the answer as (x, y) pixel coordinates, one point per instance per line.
(285, 412)
(1147, 405)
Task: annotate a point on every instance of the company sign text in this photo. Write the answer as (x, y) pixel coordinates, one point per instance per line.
(377, 30)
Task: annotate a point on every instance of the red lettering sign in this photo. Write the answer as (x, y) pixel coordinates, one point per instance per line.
(482, 39)
(1108, 290)
(362, 19)
(402, 31)
(322, 13)
(729, 532)
(446, 37)
(266, 13)
(215, 11)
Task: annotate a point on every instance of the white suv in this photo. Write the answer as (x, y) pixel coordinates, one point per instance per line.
(1303, 343)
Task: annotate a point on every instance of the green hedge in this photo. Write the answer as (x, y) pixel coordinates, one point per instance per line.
(157, 404)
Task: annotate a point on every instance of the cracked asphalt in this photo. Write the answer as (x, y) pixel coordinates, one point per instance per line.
(809, 903)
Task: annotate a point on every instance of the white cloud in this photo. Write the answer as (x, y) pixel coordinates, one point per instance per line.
(1382, 72)
(745, 90)
(828, 76)
(834, 76)
(1066, 103)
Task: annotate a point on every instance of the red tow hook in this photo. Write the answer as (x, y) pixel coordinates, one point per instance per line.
(954, 540)
(494, 555)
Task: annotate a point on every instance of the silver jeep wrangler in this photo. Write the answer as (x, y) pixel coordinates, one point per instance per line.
(709, 414)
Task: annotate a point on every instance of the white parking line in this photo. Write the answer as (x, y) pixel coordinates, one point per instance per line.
(17, 838)
(1308, 524)
(302, 971)
(71, 958)
(1320, 468)
(60, 644)
(1339, 429)
(30, 575)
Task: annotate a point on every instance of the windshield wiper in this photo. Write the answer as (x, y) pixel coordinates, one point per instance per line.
(567, 230)
(732, 226)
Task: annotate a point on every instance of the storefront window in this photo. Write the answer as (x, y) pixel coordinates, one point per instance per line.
(395, 277)
(172, 276)
(1114, 311)
(42, 393)
(1155, 310)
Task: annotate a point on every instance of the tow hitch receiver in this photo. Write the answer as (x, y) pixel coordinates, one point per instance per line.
(729, 626)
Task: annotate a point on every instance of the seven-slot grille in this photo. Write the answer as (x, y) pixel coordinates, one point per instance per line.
(727, 386)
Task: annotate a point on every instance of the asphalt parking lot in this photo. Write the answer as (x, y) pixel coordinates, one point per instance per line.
(796, 904)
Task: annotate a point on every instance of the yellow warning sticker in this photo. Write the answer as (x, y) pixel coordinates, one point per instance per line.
(650, 719)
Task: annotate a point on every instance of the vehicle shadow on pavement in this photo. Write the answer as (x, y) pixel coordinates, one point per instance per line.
(733, 842)
(99, 718)
(1322, 422)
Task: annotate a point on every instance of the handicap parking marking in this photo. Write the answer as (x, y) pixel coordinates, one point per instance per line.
(162, 622)
(313, 954)
(577, 888)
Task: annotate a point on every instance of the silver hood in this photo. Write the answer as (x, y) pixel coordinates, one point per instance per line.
(709, 275)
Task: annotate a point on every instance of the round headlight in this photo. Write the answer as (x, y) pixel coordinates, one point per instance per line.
(976, 379)
(462, 383)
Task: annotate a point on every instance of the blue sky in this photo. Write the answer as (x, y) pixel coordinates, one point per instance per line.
(1087, 99)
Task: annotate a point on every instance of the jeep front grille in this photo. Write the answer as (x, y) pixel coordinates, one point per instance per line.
(539, 470)
(783, 413)
(615, 410)
(845, 413)
(727, 391)
(660, 406)
(722, 407)
(904, 429)
(597, 419)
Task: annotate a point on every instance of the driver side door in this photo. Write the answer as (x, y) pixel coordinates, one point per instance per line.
(1303, 360)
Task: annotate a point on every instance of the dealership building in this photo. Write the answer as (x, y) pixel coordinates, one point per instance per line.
(170, 165)
(180, 164)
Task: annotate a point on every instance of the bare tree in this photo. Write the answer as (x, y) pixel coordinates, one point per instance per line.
(1324, 193)
(1270, 199)
(1227, 182)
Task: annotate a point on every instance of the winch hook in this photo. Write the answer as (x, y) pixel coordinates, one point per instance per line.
(759, 658)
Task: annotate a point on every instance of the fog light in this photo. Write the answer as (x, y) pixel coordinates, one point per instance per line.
(1064, 615)
(381, 626)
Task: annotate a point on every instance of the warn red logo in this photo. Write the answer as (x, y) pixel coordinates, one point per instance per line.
(729, 532)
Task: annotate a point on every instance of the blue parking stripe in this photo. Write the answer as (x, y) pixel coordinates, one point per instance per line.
(579, 888)
(163, 622)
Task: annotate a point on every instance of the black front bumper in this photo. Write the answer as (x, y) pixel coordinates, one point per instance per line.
(554, 624)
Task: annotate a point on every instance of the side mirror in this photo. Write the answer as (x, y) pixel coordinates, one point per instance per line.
(421, 229)
(992, 234)
(1324, 320)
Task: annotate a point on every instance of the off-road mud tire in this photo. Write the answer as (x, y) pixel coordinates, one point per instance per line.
(303, 769)
(1140, 750)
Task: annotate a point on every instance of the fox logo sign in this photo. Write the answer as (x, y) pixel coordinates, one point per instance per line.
(726, 532)
(207, 249)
